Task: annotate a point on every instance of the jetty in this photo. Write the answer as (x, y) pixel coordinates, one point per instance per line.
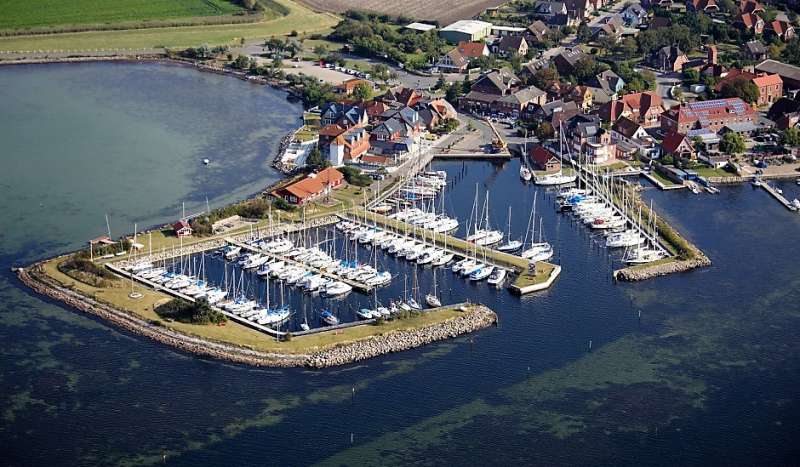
(360, 286)
(454, 245)
(774, 193)
(490, 156)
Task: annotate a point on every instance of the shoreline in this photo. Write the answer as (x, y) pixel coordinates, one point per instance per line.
(474, 318)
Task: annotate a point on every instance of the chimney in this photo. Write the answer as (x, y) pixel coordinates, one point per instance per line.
(712, 54)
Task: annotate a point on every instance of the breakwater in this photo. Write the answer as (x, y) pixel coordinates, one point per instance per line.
(649, 271)
(472, 318)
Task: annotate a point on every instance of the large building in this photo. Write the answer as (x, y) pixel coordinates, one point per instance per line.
(466, 30)
(790, 74)
(312, 187)
(714, 115)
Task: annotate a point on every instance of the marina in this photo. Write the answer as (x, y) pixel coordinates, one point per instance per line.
(774, 192)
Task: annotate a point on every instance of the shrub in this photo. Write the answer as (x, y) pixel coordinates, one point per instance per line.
(199, 312)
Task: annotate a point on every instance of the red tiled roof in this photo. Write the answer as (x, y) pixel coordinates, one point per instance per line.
(314, 184)
(181, 224)
(471, 49)
(672, 142)
(749, 20)
(332, 130)
(540, 155)
(767, 80)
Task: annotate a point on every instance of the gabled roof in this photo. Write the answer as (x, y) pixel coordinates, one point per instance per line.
(783, 106)
(626, 127)
(511, 43)
(540, 154)
(314, 183)
(471, 49)
(750, 20)
(538, 29)
(779, 27)
(750, 6)
(457, 59)
(767, 80)
(707, 111)
(756, 48)
(332, 130)
(673, 141)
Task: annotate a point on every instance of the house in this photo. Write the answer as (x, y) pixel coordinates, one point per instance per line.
(609, 82)
(790, 74)
(514, 103)
(565, 61)
(537, 32)
(433, 112)
(473, 50)
(755, 51)
(706, 6)
(401, 96)
(311, 187)
(785, 112)
(770, 86)
(488, 89)
(581, 95)
(587, 136)
(781, 29)
(348, 86)
(397, 133)
(375, 108)
(678, 145)
(579, 9)
(348, 146)
(644, 108)
(512, 45)
(465, 30)
(182, 228)
(452, 62)
(611, 27)
(549, 10)
(543, 159)
(553, 112)
(751, 22)
(634, 15)
(631, 138)
(669, 58)
(712, 114)
(343, 115)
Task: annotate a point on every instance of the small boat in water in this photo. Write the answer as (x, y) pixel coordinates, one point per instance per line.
(497, 277)
(328, 318)
(525, 173)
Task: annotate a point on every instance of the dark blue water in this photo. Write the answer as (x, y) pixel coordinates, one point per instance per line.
(707, 374)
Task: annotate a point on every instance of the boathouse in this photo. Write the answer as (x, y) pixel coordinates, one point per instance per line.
(182, 228)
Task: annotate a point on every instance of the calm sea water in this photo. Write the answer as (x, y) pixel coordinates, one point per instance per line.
(707, 374)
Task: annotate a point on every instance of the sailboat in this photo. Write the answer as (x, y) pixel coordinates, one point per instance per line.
(540, 251)
(558, 178)
(412, 302)
(510, 245)
(432, 299)
(485, 236)
(524, 172)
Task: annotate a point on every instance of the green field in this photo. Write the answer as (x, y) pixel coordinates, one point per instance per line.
(24, 14)
(283, 17)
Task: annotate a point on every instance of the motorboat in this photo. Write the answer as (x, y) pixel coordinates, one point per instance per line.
(365, 313)
(471, 267)
(481, 273)
(231, 251)
(525, 173)
(555, 179)
(497, 277)
(328, 318)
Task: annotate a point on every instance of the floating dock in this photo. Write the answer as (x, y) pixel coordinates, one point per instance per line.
(361, 287)
(781, 199)
(176, 294)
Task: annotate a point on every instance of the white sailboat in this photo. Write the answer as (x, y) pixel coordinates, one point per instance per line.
(510, 245)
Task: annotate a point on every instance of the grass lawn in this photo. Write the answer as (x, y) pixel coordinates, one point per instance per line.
(664, 180)
(238, 334)
(543, 271)
(712, 172)
(306, 134)
(24, 14)
(298, 18)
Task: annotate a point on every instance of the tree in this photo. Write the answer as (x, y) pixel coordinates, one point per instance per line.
(545, 77)
(607, 44)
(627, 47)
(742, 88)
(452, 93)
(316, 161)
(362, 92)
(732, 143)
(320, 50)
(380, 71)
(440, 83)
(466, 85)
(242, 62)
(791, 137)
(691, 76)
(584, 33)
(544, 131)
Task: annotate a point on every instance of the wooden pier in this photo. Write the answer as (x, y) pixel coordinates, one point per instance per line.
(175, 293)
(781, 199)
(360, 286)
(454, 245)
(611, 201)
